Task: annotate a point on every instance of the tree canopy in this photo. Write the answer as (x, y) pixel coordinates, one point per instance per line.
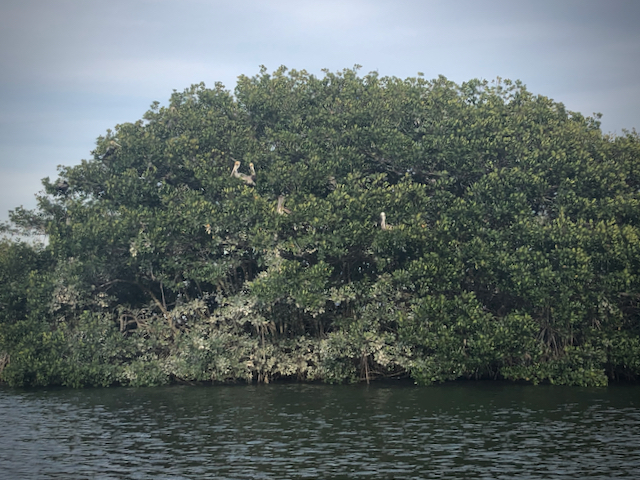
(335, 228)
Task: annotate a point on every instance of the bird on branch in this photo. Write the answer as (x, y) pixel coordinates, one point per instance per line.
(383, 222)
(253, 172)
(113, 146)
(248, 179)
(62, 186)
(281, 209)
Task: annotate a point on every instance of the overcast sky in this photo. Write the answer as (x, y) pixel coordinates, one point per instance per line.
(71, 69)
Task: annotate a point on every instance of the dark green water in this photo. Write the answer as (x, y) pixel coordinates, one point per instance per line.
(467, 430)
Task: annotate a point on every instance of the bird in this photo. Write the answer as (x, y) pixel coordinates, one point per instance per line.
(281, 209)
(113, 145)
(62, 186)
(234, 171)
(248, 179)
(383, 222)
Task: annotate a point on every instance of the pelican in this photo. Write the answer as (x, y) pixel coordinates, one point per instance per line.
(383, 222)
(113, 145)
(234, 172)
(62, 186)
(281, 209)
(248, 179)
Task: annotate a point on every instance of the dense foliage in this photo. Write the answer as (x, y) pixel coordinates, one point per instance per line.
(509, 247)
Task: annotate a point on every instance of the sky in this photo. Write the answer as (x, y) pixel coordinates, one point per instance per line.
(71, 69)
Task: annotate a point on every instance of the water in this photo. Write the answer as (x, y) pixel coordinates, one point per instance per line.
(283, 431)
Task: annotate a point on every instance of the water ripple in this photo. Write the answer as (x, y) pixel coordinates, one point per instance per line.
(470, 430)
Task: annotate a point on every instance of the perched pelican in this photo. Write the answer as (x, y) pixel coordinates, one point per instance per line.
(62, 186)
(234, 172)
(113, 145)
(248, 179)
(281, 209)
(383, 222)
(253, 172)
